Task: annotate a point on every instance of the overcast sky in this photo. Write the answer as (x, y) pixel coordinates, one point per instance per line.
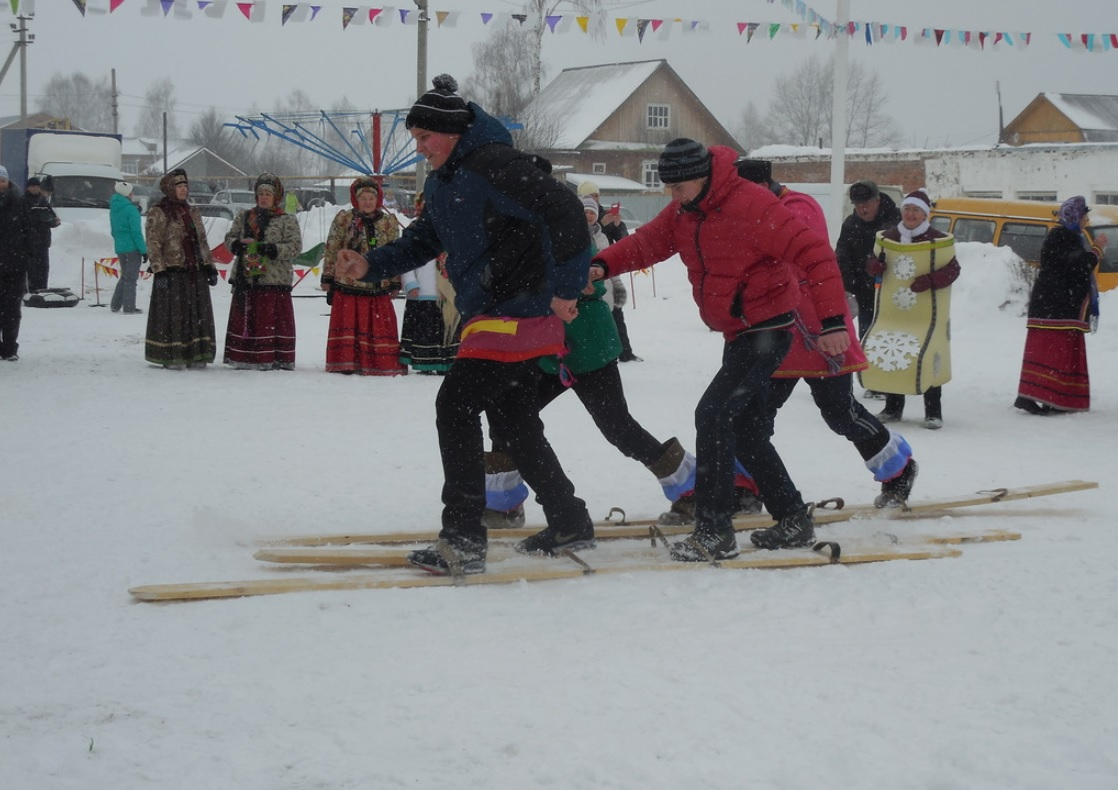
(941, 96)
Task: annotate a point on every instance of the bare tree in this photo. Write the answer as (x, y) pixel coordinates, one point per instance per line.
(538, 12)
(88, 104)
(158, 99)
(209, 131)
(800, 113)
(502, 78)
(753, 128)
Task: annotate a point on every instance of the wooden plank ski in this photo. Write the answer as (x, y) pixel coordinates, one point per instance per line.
(638, 528)
(343, 557)
(546, 571)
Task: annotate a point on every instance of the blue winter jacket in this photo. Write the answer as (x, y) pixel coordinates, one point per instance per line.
(514, 236)
(124, 218)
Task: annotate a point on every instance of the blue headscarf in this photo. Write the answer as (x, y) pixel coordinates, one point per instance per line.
(1072, 211)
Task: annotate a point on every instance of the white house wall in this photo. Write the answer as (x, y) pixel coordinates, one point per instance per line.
(1088, 170)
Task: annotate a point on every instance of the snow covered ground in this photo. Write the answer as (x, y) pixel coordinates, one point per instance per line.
(991, 670)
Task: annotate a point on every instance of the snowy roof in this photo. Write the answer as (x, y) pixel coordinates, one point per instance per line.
(1091, 113)
(583, 98)
(608, 184)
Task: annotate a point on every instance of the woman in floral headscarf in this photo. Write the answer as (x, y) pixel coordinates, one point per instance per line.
(180, 331)
(265, 241)
(1063, 307)
(363, 337)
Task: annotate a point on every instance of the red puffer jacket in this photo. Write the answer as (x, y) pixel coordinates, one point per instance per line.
(741, 248)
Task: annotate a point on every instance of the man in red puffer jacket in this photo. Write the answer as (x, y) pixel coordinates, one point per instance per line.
(744, 254)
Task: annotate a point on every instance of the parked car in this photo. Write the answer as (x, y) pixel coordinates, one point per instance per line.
(313, 197)
(235, 199)
(217, 210)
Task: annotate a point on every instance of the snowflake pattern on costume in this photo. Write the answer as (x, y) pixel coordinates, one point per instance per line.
(891, 351)
(904, 298)
(904, 267)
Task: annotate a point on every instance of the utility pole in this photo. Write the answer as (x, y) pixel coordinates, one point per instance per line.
(20, 46)
(116, 109)
(838, 120)
(421, 84)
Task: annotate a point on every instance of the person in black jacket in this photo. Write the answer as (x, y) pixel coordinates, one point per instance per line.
(873, 212)
(518, 256)
(13, 265)
(41, 219)
(1063, 308)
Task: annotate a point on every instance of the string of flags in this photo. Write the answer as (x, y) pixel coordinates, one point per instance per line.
(813, 25)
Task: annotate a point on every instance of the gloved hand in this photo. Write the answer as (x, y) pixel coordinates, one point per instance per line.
(144, 258)
(874, 267)
(237, 247)
(211, 276)
(268, 250)
(162, 281)
(330, 297)
(922, 283)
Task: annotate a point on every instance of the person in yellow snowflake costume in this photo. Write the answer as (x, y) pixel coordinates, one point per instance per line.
(908, 346)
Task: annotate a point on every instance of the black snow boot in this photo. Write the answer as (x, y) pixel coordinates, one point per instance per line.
(894, 493)
(791, 531)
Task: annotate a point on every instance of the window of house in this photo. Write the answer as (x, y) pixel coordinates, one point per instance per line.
(129, 167)
(650, 174)
(659, 116)
(984, 194)
(1107, 198)
(1041, 196)
(598, 168)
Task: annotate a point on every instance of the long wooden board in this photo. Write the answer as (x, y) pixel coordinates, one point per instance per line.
(348, 557)
(638, 528)
(545, 571)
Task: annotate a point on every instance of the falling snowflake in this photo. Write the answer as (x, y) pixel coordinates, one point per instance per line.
(891, 351)
(904, 298)
(904, 268)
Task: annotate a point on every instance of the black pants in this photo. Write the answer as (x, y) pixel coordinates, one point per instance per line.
(603, 396)
(933, 406)
(734, 419)
(623, 333)
(38, 268)
(842, 412)
(12, 288)
(508, 395)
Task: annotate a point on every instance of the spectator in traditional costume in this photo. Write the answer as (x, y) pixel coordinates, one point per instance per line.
(363, 337)
(265, 241)
(1063, 308)
(908, 346)
(180, 330)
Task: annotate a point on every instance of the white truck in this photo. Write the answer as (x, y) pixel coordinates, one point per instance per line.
(83, 167)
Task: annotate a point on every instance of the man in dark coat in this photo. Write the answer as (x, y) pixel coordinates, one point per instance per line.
(873, 211)
(41, 219)
(518, 256)
(13, 265)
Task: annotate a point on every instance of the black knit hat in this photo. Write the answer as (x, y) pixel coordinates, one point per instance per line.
(441, 109)
(759, 171)
(684, 160)
(862, 191)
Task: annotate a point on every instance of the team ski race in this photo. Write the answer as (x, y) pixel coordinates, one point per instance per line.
(514, 283)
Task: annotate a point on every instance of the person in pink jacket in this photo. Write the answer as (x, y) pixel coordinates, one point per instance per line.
(886, 453)
(745, 255)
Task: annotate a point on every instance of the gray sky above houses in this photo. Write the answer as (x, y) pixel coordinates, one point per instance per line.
(939, 96)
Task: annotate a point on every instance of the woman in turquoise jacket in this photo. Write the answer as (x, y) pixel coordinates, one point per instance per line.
(131, 250)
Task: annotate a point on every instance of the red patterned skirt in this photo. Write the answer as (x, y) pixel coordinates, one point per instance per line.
(1054, 370)
(261, 332)
(363, 337)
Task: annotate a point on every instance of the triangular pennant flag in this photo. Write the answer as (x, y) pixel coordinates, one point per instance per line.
(1065, 39)
(347, 16)
(773, 30)
(521, 18)
(485, 18)
(15, 7)
(642, 25)
(583, 22)
(114, 5)
(246, 9)
(167, 5)
(982, 39)
(408, 17)
(81, 6)
(373, 14)
(621, 22)
(751, 30)
(939, 36)
(221, 254)
(1114, 40)
(447, 18)
(741, 27)
(314, 11)
(288, 11)
(552, 21)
